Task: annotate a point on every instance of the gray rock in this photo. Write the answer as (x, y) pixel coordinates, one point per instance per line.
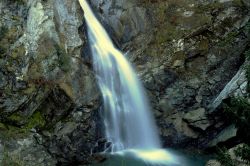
(25, 152)
(197, 118)
(165, 106)
(229, 88)
(224, 135)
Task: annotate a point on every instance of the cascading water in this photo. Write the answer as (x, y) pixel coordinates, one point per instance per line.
(128, 122)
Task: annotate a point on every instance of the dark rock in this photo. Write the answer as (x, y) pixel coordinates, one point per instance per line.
(3, 81)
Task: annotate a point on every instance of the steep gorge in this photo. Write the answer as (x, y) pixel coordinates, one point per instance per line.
(186, 54)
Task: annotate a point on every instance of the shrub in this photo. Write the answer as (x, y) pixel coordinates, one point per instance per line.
(224, 158)
(244, 153)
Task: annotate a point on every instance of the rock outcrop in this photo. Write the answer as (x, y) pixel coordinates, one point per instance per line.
(48, 96)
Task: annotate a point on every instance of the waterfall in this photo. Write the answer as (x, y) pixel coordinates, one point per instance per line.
(127, 118)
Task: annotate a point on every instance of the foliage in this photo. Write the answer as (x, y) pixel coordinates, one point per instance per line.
(238, 112)
(244, 153)
(37, 120)
(224, 158)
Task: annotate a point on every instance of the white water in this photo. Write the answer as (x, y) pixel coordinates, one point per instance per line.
(127, 118)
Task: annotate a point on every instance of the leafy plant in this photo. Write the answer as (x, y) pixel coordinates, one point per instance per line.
(244, 153)
(238, 112)
(224, 157)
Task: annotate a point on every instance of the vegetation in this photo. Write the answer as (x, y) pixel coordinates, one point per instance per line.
(224, 157)
(18, 126)
(237, 110)
(244, 153)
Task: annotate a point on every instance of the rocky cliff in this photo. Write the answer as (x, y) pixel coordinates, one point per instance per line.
(48, 95)
(188, 54)
(185, 53)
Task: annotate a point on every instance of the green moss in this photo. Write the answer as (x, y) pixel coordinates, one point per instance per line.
(8, 131)
(16, 117)
(2, 126)
(12, 132)
(36, 120)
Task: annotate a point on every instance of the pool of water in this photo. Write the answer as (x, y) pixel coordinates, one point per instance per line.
(158, 157)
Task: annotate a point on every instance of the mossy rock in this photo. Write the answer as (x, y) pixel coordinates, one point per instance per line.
(37, 120)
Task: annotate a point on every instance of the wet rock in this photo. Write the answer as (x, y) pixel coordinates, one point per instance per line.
(224, 135)
(237, 82)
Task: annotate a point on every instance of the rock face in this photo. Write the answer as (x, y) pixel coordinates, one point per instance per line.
(185, 53)
(48, 96)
